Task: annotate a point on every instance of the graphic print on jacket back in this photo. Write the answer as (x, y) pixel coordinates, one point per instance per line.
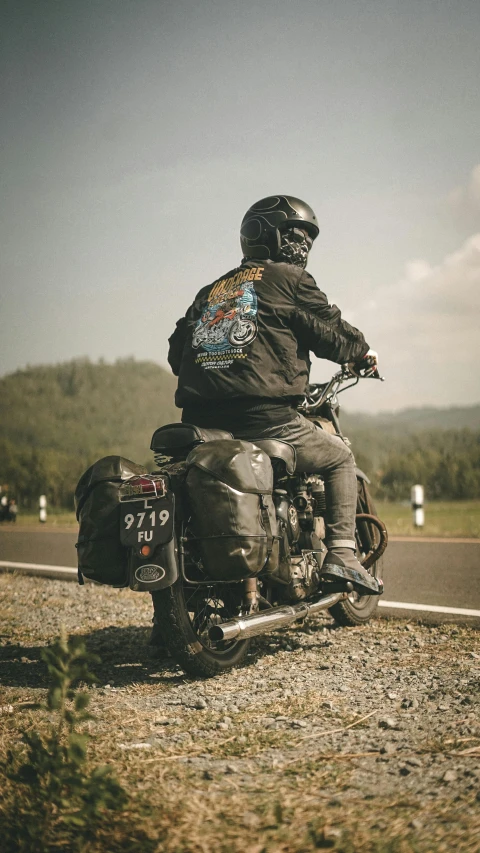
(228, 322)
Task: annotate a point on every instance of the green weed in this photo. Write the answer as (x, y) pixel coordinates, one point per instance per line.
(53, 800)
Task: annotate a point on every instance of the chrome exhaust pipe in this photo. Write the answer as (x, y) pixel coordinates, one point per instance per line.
(244, 627)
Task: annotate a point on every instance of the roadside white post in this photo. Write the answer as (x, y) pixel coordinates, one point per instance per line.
(417, 495)
(42, 504)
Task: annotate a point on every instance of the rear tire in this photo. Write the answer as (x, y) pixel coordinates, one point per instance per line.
(184, 614)
(359, 609)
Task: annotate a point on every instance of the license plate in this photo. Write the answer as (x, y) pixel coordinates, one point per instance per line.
(147, 523)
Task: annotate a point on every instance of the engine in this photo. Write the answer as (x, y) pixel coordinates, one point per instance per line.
(302, 529)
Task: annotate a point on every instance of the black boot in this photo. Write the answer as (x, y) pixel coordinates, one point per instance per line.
(340, 564)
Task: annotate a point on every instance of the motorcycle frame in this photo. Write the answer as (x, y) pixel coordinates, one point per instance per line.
(173, 552)
(181, 565)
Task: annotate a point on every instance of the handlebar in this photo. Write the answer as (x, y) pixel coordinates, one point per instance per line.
(318, 394)
(367, 368)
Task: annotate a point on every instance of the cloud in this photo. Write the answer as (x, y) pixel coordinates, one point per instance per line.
(439, 307)
(418, 270)
(426, 330)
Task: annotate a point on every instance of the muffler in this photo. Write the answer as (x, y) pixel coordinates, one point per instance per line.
(244, 627)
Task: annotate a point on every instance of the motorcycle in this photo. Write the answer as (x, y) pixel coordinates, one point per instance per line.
(236, 330)
(207, 608)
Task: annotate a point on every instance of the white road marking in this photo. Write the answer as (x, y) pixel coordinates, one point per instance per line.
(439, 540)
(71, 574)
(431, 608)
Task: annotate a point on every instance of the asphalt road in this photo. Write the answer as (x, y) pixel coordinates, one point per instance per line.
(429, 572)
(27, 545)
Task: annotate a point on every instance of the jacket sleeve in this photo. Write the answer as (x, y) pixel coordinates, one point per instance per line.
(181, 334)
(176, 345)
(319, 326)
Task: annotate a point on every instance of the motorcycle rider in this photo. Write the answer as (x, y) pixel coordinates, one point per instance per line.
(249, 377)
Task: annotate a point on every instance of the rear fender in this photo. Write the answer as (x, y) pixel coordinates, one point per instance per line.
(157, 572)
(361, 475)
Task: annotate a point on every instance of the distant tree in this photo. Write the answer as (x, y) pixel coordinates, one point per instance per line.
(57, 420)
(446, 462)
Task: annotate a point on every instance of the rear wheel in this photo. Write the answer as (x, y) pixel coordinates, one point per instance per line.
(185, 613)
(359, 609)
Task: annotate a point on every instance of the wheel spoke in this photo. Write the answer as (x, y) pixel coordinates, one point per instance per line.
(207, 606)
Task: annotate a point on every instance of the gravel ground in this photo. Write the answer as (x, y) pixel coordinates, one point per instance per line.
(326, 737)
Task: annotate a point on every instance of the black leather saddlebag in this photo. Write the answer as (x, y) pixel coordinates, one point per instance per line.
(229, 485)
(101, 557)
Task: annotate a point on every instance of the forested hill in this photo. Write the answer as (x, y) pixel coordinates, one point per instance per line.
(87, 409)
(56, 420)
(448, 432)
(413, 420)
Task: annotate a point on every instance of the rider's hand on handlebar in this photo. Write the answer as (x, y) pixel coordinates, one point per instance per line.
(366, 366)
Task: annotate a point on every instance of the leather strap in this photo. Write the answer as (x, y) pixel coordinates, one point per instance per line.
(266, 524)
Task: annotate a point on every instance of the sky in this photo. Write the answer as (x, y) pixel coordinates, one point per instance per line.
(136, 133)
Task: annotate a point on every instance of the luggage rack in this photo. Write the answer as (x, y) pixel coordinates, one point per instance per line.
(181, 560)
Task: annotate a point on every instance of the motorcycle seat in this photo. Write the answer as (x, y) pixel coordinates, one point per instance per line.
(179, 439)
(277, 449)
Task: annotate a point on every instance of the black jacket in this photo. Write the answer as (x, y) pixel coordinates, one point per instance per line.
(249, 334)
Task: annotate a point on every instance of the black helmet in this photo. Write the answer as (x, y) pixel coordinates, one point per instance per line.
(264, 222)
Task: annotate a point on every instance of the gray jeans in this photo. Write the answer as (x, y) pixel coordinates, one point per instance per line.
(318, 452)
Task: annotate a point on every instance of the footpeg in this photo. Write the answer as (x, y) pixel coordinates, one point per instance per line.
(361, 582)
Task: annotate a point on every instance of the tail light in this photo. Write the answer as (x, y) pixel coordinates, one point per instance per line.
(143, 488)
